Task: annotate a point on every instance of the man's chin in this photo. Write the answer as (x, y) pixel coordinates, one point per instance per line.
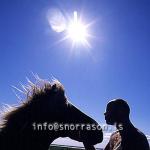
(109, 122)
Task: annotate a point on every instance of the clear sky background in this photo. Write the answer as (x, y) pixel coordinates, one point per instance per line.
(116, 66)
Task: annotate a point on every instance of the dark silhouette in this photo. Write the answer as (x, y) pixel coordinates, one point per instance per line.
(127, 137)
(44, 104)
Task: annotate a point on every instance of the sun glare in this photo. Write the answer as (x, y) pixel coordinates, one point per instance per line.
(77, 31)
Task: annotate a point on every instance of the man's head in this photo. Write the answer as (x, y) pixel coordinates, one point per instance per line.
(117, 111)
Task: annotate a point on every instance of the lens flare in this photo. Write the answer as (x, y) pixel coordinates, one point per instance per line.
(74, 28)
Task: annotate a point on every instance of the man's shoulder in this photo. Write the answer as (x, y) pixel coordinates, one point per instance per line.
(139, 134)
(136, 139)
(142, 137)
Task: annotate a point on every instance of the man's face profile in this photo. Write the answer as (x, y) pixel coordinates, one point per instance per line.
(110, 114)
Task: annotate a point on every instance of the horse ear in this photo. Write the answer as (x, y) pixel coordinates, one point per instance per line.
(54, 88)
(58, 89)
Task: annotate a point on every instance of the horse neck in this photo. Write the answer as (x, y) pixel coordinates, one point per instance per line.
(8, 142)
(19, 128)
(25, 139)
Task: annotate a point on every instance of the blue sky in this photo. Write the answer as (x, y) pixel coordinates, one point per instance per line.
(116, 65)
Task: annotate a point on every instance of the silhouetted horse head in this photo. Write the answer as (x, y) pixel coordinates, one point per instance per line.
(44, 116)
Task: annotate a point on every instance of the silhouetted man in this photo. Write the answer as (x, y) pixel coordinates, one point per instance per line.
(127, 137)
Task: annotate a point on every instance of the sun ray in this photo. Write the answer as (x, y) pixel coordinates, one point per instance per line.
(77, 31)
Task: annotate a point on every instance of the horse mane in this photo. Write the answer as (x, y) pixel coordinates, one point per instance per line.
(34, 94)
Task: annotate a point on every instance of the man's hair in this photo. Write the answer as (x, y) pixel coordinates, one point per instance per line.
(120, 104)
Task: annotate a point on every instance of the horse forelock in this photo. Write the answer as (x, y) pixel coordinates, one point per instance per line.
(40, 88)
(43, 88)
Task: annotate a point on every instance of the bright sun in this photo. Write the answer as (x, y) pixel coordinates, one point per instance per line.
(77, 31)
